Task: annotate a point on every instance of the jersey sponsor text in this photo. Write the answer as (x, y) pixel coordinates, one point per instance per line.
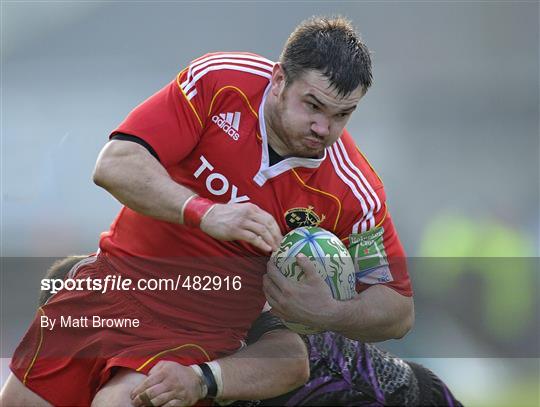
(218, 184)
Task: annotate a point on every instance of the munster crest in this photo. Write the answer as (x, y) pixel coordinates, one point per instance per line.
(297, 217)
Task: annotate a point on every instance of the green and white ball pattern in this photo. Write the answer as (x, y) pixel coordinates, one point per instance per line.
(330, 257)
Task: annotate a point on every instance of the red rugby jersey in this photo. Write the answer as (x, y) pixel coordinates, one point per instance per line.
(207, 127)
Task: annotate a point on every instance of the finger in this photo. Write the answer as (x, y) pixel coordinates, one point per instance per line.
(157, 367)
(276, 308)
(271, 267)
(146, 384)
(141, 400)
(255, 240)
(157, 390)
(307, 265)
(272, 295)
(137, 401)
(175, 403)
(262, 231)
(271, 225)
(163, 398)
(276, 276)
(270, 288)
(146, 397)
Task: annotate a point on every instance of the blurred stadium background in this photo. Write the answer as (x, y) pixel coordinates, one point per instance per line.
(451, 125)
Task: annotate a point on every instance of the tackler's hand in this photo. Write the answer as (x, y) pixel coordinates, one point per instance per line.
(168, 384)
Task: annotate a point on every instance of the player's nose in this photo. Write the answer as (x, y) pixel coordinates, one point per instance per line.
(321, 127)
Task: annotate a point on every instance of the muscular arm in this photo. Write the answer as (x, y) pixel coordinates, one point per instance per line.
(377, 314)
(276, 364)
(133, 176)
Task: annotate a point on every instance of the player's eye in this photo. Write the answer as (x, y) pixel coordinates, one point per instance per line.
(313, 106)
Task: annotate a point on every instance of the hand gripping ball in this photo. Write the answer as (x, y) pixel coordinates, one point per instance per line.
(330, 257)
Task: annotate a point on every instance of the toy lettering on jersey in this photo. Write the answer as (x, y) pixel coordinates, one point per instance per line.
(218, 184)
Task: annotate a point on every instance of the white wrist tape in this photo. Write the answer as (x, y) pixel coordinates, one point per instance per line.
(199, 372)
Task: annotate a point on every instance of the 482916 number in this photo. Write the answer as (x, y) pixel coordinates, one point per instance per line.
(212, 283)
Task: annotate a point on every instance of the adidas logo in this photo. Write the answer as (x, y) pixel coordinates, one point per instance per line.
(229, 123)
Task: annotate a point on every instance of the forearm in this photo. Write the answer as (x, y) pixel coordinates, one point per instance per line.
(275, 364)
(134, 177)
(375, 315)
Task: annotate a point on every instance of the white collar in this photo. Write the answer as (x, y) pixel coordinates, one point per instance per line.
(266, 171)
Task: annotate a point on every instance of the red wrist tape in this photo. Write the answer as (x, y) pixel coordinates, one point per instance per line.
(195, 209)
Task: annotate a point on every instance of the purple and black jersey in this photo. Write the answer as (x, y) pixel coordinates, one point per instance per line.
(350, 373)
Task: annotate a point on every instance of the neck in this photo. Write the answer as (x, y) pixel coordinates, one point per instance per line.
(270, 120)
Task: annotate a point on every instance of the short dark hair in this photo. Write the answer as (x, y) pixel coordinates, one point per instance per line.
(332, 46)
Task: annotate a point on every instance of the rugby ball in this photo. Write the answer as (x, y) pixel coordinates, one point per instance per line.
(330, 257)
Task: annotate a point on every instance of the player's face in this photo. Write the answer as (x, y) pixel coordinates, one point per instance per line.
(309, 114)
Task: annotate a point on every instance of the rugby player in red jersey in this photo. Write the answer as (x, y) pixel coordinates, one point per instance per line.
(211, 170)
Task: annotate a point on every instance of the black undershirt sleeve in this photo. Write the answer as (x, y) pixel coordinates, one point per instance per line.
(135, 139)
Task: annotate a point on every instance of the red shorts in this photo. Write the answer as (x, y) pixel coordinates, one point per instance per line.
(68, 364)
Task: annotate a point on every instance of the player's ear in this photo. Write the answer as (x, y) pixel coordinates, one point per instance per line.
(278, 79)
